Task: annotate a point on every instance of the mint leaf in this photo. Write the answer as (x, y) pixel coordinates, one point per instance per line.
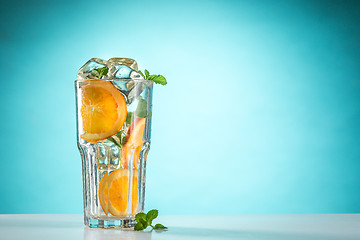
(139, 216)
(159, 227)
(141, 74)
(102, 71)
(144, 223)
(139, 227)
(159, 79)
(144, 220)
(141, 109)
(151, 215)
(147, 74)
(129, 118)
(119, 134)
(111, 139)
(151, 77)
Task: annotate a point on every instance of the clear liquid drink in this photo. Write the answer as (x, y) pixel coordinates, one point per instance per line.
(113, 137)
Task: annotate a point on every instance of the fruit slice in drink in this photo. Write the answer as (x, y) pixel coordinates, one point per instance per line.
(133, 142)
(114, 192)
(104, 193)
(134, 192)
(103, 110)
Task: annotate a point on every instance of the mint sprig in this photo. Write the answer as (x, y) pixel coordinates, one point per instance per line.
(141, 109)
(159, 226)
(111, 139)
(147, 74)
(159, 79)
(100, 72)
(144, 220)
(121, 138)
(141, 73)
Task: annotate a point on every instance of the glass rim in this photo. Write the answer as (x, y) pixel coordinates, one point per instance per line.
(111, 80)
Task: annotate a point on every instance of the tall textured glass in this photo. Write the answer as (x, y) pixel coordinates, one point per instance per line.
(113, 136)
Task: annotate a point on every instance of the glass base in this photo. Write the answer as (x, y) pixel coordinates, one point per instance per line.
(98, 223)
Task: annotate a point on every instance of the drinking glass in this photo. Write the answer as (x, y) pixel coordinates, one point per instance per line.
(113, 137)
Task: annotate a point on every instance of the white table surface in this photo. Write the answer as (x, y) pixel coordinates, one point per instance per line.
(269, 227)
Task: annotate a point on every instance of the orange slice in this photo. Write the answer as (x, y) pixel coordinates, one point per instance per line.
(104, 193)
(118, 192)
(134, 193)
(103, 110)
(114, 192)
(133, 142)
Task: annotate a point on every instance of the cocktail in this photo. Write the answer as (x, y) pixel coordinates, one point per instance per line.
(114, 102)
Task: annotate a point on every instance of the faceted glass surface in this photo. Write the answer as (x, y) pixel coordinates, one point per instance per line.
(113, 137)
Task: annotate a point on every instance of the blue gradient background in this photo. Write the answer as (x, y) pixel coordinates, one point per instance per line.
(261, 113)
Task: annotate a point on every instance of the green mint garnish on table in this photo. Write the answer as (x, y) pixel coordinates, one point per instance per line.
(100, 72)
(144, 220)
(159, 79)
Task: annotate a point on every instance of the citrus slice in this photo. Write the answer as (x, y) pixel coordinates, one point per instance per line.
(135, 184)
(104, 193)
(133, 142)
(103, 110)
(118, 192)
(114, 192)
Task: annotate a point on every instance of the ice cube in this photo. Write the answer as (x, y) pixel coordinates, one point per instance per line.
(122, 71)
(127, 83)
(124, 61)
(126, 68)
(130, 88)
(130, 84)
(119, 69)
(88, 70)
(136, 75)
